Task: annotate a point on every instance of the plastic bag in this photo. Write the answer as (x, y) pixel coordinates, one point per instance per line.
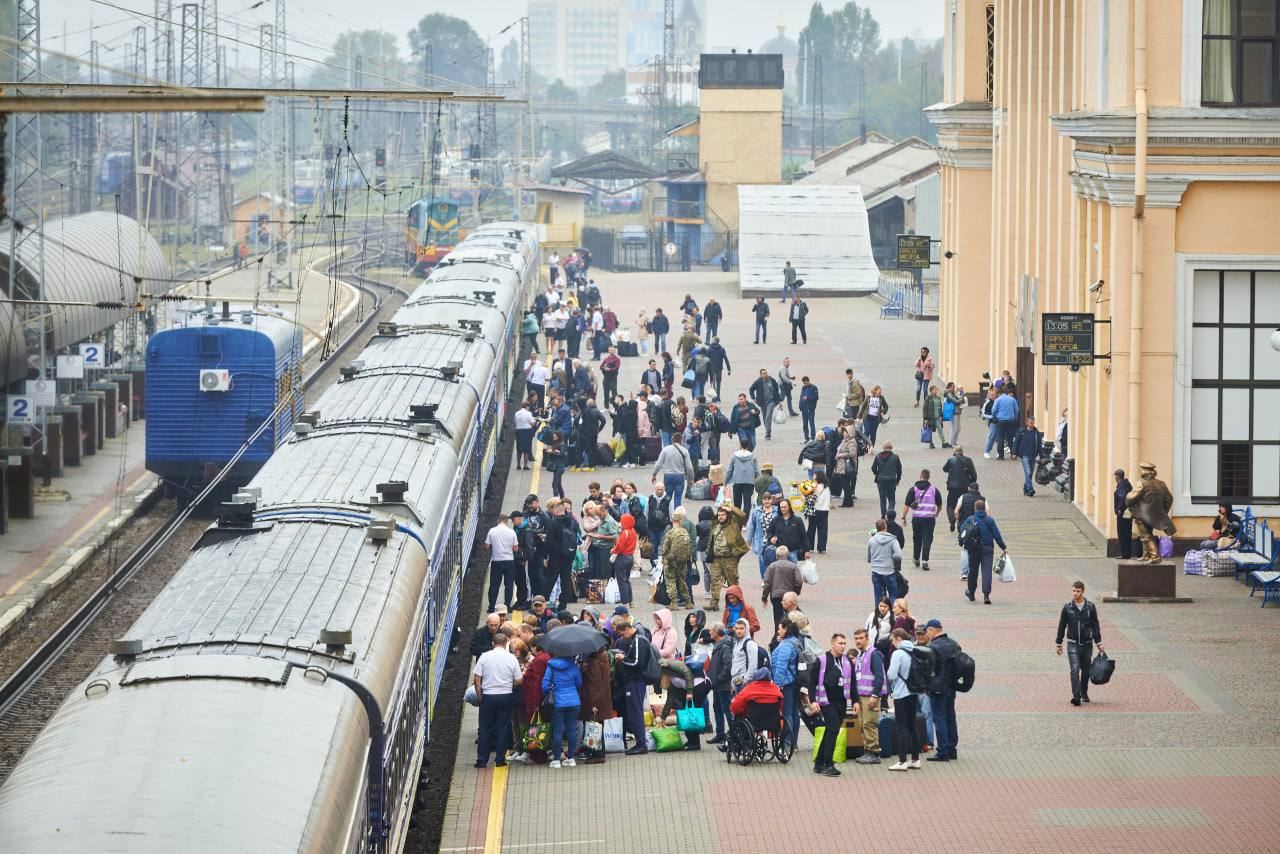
(809, 571)
(691, 718)
(1005, 569)
(611, 592)
(593, 735)
(841, 744)
(667, 739)
(471, 697)
(1165, 545)
(779, 415)
(614, 736)
(1101, 669)
(926, 435)
(655, 575)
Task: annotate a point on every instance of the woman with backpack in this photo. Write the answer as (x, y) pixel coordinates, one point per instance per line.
(905, 703)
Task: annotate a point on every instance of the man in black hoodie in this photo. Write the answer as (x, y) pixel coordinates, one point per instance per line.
(536, 521)
(721, 674)
(942, 693)
(960, 473)
(887, 470)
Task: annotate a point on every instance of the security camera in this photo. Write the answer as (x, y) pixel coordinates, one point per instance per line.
(1096, 286)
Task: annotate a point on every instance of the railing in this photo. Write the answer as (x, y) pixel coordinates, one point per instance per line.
(683, 209)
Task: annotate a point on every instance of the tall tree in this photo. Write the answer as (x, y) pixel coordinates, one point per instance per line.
(379, 63)
(612, 84)
(458, 53)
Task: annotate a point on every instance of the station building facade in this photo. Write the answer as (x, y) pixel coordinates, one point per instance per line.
(1121, 158)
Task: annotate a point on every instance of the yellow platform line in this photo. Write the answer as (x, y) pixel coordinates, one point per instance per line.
(498, 786)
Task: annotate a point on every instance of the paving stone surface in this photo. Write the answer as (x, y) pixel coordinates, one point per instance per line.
(1177, 753)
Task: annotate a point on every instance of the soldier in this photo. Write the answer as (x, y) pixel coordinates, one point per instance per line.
(725, 547)
(1149, 503)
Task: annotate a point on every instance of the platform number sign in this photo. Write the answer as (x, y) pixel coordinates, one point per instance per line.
(1067, 338)
(92, 355)
(19, 410)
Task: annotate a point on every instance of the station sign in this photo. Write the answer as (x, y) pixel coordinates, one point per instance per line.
(43, 392)
(92, 355)
(1067, 338)
(70, 367)
(913, 252)
(19, 410)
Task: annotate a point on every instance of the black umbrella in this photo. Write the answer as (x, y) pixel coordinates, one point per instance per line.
(569, 641)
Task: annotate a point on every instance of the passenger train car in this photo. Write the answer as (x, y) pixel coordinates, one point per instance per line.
(278, 694)
(213, 379)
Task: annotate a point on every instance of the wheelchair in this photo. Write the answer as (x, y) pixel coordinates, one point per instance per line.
(758, 735)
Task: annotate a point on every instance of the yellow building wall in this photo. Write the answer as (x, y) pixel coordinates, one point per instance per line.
(740, 142)
(964, 306)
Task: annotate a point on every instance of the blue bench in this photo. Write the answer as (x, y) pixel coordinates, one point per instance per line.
(1260, 563)
(895, 306)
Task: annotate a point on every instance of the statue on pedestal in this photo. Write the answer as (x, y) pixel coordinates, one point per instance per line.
(1149, 504)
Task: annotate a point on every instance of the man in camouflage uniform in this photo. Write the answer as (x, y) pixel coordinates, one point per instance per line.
(1149, 504)
(677, 550)
(725, 547)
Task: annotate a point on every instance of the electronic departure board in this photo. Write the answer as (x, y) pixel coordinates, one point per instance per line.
(1067, 338)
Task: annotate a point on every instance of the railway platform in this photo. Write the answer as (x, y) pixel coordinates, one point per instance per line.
(91, 502)
(1177, 753)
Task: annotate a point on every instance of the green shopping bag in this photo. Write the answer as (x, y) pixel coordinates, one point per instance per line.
(579, 561)
(667, 739)
(537, 736)
(841, 748)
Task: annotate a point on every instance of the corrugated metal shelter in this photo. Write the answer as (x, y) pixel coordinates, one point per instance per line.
(821, 230)
(92, 257)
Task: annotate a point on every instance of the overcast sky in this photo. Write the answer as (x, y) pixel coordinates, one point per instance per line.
(733, 23)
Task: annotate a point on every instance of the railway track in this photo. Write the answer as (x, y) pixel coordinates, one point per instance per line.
(78, 636)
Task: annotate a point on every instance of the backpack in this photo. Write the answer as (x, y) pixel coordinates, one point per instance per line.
(970, 535)
(923, 661)
(652, 670)
(806, 656)
(962, 672)
(762, 656)
(677, 418)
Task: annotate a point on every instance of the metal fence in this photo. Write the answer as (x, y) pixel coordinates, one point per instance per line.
(917, 300)
(635, 248)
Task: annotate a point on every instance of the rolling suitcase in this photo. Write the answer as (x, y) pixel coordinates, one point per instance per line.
(887, 748)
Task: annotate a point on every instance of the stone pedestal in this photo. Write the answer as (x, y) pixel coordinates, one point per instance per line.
(20, 482)
(72, 443)
(1141, 583)
(48, 453)
(89, 433)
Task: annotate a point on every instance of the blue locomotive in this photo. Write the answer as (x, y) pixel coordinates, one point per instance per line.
(212, 382)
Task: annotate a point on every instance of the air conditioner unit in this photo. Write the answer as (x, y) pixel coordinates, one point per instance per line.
(215, 380)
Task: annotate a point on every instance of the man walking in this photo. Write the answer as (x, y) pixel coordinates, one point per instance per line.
(1004, 412)
(712, 314)
(979, 537)
(883, 553)
(609, 367)
(659, 325)
(942, 692)
(782, 577)
(745, 418)
(960, 473)
(496, 676)
(761, 311)
(1026, 447)
(830, 694)
(868, 675)
(788, 281)
(632, 656)
(923, 500)
(887, 471)
(1079, 623)
(797, 312)
(785, 383)
(808, 409)
(719, 363)
(502, 543)
(725, 548)
(676, 469)
(765, 392)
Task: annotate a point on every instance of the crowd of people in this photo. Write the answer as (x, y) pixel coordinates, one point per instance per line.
(592, 566)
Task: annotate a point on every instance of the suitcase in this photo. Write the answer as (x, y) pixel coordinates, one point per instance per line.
(652, 447)
(886, 734)
(604, 455)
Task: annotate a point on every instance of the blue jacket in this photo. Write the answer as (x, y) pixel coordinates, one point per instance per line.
(988, 529)
(1005, 408)
(561, 683)
(562, 419)
(809, 397)
(1027, 443)
(660, 324)
(899, 669)
(783, 663)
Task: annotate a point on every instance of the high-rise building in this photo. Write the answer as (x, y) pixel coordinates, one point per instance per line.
(578, 41)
